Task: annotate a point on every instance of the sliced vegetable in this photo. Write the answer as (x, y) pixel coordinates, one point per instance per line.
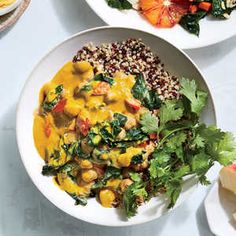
(206, 6)
(134, 104)
(164, 13)
(193, 9)
(60, 106)
(48, 128)
(83, 125)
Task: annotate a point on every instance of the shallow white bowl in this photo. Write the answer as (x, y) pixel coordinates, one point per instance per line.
(11, 7)
(177, 62)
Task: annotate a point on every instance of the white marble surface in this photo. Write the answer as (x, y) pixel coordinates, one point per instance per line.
(23, 209)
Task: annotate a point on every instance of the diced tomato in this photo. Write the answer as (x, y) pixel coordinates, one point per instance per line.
(206, 6)
(101, 89)
(83, 125)
(153, 136)
(193, 9)
(60, 106)
(48, 128)
(143, 144)
(133, 103)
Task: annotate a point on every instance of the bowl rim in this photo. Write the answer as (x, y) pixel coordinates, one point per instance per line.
(29, 78)
(11, 7)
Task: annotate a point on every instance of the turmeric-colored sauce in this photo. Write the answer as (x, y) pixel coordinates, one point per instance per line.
(71, 105)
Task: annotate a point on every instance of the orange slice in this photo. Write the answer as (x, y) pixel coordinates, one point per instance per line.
(164, 13)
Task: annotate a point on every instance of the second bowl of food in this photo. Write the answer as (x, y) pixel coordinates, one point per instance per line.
(110, 126)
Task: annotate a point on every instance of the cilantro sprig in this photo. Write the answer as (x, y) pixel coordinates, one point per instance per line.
(184, 146)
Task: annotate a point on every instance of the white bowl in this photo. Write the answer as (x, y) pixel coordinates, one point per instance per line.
(11, 7)
(176, 61)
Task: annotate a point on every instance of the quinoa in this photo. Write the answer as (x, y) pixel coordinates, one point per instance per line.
(131, 56)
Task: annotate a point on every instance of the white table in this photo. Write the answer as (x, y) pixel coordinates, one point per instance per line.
(23, 209)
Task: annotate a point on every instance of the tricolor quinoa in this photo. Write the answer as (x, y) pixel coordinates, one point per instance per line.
(131, 56)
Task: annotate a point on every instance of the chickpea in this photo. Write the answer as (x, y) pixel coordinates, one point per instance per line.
(130, 123)
(125, 183)
(107, 197)
(124, 160)
(69, 137)
(111, 97)
(82, 66)
(72, 108)
(85, 164)
(88, 75)
(89, 175)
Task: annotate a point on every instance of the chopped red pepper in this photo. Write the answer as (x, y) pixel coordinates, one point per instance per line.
(206, 6)
(48, 128)
(143, 144)
(153, 136)
(193, 9)
(83, 125)
(60, 106)
(133, 103)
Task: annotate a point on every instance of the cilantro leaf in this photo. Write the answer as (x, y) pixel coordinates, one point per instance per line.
(226, 149)
(182, 171)
(173, 191)
(171, 110)
(176, 140)
(196, 97)
(221, 146)
(135, 190)
(135, 176)
(149, 123)
(200, 163)
(159, 164)
(198, 141)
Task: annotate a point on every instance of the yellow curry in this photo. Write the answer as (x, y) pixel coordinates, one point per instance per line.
(87, 131)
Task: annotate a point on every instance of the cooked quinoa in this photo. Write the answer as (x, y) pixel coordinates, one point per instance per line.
(131, 56)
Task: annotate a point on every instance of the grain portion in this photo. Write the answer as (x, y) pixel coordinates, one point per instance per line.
(131, 56)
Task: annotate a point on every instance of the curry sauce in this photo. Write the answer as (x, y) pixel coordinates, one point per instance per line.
(80, 113)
